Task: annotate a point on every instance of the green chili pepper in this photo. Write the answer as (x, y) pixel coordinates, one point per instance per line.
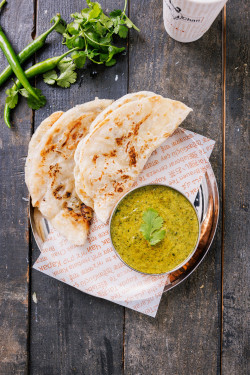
(2, 3)
(6, 115)
(15, 65)
(33, 71)
(29, 50)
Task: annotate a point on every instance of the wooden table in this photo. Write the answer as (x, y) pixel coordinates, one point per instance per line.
(201, 326)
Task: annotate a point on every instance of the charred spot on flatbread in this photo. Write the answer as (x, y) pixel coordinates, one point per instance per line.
(132, 156)
(86, 212)
(56, 192)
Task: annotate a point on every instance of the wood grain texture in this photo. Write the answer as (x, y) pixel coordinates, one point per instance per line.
(185, 336)
(74, 333)
(236, 332)
(71, 332)
(14, 229)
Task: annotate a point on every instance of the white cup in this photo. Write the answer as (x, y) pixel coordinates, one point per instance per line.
(187, 20)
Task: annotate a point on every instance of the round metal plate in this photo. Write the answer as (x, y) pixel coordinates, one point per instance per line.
(207, 206)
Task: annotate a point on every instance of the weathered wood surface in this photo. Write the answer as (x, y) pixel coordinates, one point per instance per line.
(68, 332)
(14, 229)
(71, 332)
(185, 336)
(236, 331)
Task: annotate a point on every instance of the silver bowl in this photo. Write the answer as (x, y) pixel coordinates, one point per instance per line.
(179, 265)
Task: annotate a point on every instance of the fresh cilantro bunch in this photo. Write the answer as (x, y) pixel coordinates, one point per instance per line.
(151, 228)
(92, 33)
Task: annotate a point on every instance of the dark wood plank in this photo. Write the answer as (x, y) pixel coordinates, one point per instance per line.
(71, 332)
(235, 344)
(185, 336)
(14, 229)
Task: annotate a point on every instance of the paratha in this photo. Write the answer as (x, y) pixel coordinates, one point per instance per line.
(110, 158)
(117, 104)
(49, 170)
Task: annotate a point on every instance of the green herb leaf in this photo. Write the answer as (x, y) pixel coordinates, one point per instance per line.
(122, 31)
(79, 58)
(77, 16)
(73, 28)
(130, 24)
(85, 14)
(68, 75)
(24, 93)
(50, 77)
(113, 51)
(95, 11)
(111, 62)
(105, 21)
(12, 98)
(151, 228)
(69, 40)
(61, 26)
(67, 68)
(157, 237)
(66, 79)
(115, 13)
(79, 43)
(65, 64)
(32, 102)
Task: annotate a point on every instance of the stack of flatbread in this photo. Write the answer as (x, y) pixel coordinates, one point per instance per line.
(88, 157)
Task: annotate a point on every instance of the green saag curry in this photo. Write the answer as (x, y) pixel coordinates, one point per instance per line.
(180, 229)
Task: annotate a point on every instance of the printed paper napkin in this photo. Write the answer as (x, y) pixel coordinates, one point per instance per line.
(94, 268)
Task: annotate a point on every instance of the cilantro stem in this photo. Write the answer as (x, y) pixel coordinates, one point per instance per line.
(125, 6)
(92, 40)
(124, 13)
(94, 61)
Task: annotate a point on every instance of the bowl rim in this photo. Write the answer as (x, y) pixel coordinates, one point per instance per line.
(179, 265)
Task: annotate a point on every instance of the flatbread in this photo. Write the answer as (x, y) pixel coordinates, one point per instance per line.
(110, 158)
(117, 104)
(49, 170)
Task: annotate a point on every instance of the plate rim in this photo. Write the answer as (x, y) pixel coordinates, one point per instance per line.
(178, 281)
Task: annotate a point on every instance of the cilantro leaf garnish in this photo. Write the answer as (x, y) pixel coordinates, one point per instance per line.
(61, 26)
(122, 31)
(50, 77)
(12, 98)
(79, 58)
(67, 74)
(32, 102)
(66, 78)
(65, 64)
(151, 228)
